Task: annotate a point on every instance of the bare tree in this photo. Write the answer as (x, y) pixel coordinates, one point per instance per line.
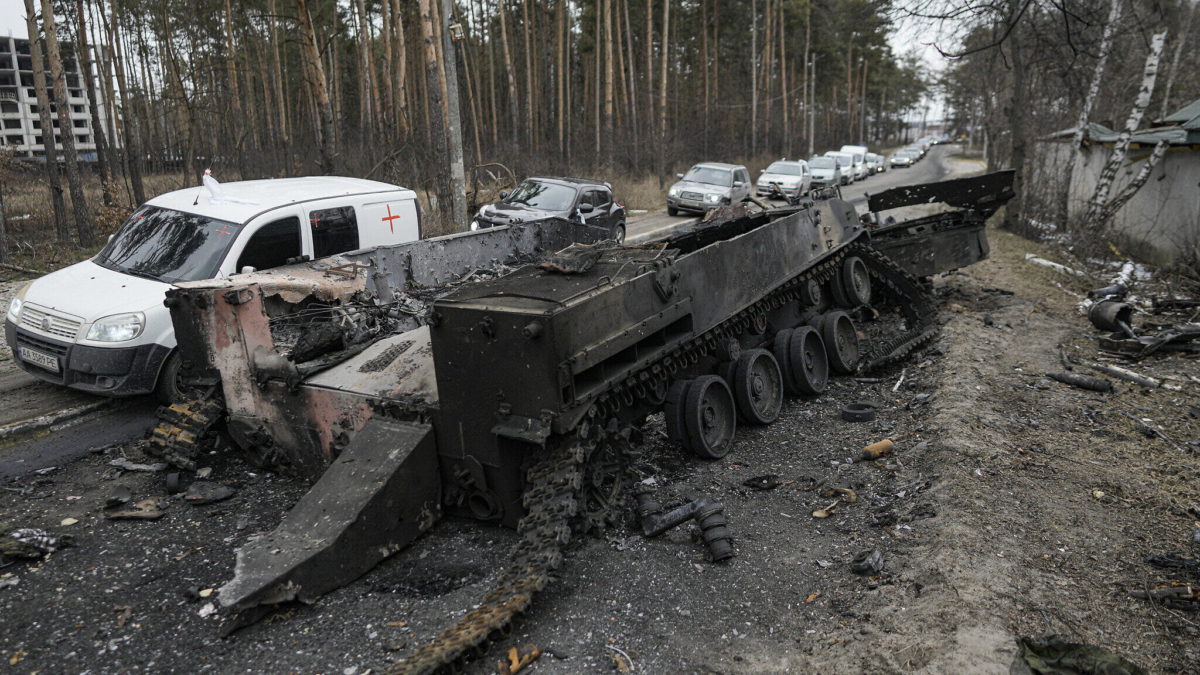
(50, 149)
(1097, 205)
(79, 207)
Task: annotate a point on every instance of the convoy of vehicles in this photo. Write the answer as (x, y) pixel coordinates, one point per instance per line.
(100, 325)
(708, 185)
(580, 200)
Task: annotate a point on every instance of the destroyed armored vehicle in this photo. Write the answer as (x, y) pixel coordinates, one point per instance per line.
(505, 375)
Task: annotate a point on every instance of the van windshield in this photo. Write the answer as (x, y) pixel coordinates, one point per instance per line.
(167, 245)
(823, 163)
(785, 169)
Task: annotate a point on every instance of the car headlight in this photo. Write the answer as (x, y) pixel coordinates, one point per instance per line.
(117, 328)
(18, 299)
(474, 225)
(674, 191)
(713, 198)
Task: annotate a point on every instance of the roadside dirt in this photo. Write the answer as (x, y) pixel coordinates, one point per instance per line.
(1012, 506)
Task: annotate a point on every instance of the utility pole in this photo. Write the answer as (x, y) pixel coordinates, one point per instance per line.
(458, 181)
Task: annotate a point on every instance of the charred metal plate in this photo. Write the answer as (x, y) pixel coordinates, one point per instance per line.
(374, 500)
(396, 367)
(982, 194)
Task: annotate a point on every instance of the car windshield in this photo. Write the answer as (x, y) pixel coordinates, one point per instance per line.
(168, 245)
(544, 196)
(844, 160)
(823, 163)
(710, 175)
(785, 169)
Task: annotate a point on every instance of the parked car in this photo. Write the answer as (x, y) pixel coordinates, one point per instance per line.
(876, 163)
(903, 158)
(846, 163)
(792, 177)
(100, 325)
(825, 171)
(860, 160)
(917, 150)
(584, 201)
(707, 186)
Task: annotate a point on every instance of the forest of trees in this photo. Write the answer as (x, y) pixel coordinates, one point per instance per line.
(1023, 69)
(285, 87)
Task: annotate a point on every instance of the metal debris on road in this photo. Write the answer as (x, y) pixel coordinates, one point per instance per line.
(127, 465)
(859, 411)
(867, 562)
(518, 661)
(203, 492)
(1082, 381)
(876, 450)
(28, 543)
(1128, 376)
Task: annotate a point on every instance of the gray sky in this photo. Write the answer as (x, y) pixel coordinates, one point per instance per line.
(12, 19)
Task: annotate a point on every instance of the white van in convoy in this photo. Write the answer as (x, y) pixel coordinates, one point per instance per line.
(860, 160)
(100, 325)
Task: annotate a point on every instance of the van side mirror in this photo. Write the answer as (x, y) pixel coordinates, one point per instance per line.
(110, 237)
(586, 208)
(679, 175)
(504, 194)
(249, 269)
(738, 183)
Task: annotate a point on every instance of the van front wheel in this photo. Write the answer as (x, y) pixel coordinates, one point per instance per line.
(169, 388)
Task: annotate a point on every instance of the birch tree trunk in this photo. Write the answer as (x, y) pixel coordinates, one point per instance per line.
(1138, 181)
(132, 149)
(49, 148)
(1106, 40)
(79, 207)
(1097, 205)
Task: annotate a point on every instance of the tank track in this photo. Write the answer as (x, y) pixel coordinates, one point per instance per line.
(556, 492)
(184, 430)
(552, 502)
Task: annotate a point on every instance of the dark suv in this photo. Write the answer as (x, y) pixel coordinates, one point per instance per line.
(583, 201)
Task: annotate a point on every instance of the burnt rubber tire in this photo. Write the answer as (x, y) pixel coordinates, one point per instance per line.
(783, 357)
(858, 412)
(709, 417)
(672, 211)
(840, 336)
(856, 282)
(757, 386)
(808, 361)
(673, 410)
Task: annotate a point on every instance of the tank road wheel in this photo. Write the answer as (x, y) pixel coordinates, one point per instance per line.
(841, 342)
(673, 410)
(811, 293)
(809, 363)
(758, 387)
(856, 281)
(709, 417)
(783, 357)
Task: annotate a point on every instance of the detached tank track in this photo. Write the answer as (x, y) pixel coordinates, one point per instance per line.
(552, 502)
(555, 486)
(184, 429)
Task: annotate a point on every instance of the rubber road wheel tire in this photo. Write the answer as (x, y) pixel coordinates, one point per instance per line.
(673, 410)
(810, 365)
(167, 390)
(672, 211)
(856, 281)
(709, 417)
(618, 233)
(757, 386)
(840, 336)
(782, 352)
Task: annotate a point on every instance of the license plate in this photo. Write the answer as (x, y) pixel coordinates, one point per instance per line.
(40, 359)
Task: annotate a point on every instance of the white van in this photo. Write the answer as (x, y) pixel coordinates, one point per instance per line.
(100, 325)
(860, 160)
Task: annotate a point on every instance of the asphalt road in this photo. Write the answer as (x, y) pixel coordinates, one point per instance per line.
(645, 226)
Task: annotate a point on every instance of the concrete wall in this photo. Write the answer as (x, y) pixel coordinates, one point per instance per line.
(1162, 221)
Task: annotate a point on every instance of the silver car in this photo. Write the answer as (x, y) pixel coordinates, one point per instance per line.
(791, 178)
(825, 171)
(707, 186)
